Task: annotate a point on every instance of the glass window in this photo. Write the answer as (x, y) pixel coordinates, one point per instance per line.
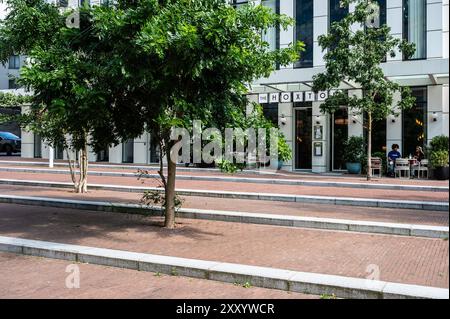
(272, 35)
(304, 31)
(12, 84)
(415, 26)
(415, 122)
(14, 62)
(270, 112)
(337, 11)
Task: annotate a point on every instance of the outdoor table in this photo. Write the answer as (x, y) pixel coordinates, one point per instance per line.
(412, 162)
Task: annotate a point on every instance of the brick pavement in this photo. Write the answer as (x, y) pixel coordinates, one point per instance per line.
(244, 187)
(46, 279)
(406, 216)
(400, 259)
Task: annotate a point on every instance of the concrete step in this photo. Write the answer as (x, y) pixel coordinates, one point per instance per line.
(239, 217)
(329, 200)
(274, 278)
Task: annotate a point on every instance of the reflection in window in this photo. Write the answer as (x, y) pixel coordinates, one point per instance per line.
(304, 31)
(337, 11)
(415, 122)
(415, 26)
(271, 36)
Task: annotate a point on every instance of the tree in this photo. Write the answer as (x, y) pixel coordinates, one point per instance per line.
(175, 61)
(356, 57)
(67, 109)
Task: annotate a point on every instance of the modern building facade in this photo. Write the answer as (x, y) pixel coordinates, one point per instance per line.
(317, 139)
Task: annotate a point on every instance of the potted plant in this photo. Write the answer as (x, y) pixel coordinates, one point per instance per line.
(284, 153)
(439, 163)
(438, 156)
(354, 154)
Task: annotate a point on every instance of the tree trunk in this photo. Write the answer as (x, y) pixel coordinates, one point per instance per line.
(369, 147)
(82, 186)
(170, 192)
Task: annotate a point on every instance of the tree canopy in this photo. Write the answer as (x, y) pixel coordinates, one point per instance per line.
(355, 51)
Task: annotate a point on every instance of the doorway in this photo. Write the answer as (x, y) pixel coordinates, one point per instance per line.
(339, 134)
(128, 151)
(303, 138)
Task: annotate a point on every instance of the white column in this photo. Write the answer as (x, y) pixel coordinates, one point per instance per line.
(286, 110)
(435, 16)
(287, 36)
(141, 149)
(445, 37)
(27, 139)
(320, 26)
(115, 154)
(320, 163)
(395, 22)
(355, 121)
(438, 108)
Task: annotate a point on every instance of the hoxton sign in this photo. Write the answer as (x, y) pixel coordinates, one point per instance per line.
(288, 97)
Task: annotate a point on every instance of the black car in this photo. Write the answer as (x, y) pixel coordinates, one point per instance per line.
(9, 143)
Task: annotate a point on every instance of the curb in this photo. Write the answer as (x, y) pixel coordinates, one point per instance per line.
(240, 217)
(273, 278)
(347, 201)
(247, 180)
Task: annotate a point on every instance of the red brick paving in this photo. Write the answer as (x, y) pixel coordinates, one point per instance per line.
(32, 277)
(400, 259)
(244, 187)
(406, 216)
(278, 175)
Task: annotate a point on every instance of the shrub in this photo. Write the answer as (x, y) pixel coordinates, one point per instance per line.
(439, 143)
(439, 159)
(354, 150)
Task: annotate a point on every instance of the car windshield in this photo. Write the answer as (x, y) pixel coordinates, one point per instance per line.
(8, 136)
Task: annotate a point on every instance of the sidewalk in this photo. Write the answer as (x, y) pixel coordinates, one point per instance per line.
(406, 216)
(399, 259)
(47, 280)
(243, 187)
(131, 168)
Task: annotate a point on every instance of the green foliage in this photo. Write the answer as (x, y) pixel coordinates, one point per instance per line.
(439, 143)
(355, 56)
(226, 166)
(354, 150)
(439, 158)
(12, 100)
(284, 150)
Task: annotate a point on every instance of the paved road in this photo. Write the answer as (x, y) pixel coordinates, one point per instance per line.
(33, 277)
(398, 259)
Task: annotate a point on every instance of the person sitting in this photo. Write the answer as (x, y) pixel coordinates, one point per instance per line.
(392, 157)
(419, 155)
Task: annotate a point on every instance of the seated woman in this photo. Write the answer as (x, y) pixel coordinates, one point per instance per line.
(392, 157)
(419, 155)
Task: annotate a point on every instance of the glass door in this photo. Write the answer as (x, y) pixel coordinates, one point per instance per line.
(303, 138)
(339, 134)
(128, 151)
(37, 146)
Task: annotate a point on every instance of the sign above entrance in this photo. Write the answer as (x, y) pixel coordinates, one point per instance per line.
(288, 97)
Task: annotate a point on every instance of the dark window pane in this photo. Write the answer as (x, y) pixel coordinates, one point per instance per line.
(415, 122)
(415, 26)
(304, 31)
(337, 11)
(270, 111)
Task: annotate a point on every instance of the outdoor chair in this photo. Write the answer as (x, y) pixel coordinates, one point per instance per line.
(402, 168)
(377, 165)
(422, 169)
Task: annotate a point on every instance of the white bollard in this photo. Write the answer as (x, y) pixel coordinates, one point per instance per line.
(51, 156)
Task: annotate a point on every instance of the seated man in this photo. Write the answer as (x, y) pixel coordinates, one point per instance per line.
(392, 157)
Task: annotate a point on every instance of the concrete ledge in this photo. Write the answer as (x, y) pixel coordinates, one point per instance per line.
(240, 217)
(245, 180)
(273, 278)
(327, 200)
